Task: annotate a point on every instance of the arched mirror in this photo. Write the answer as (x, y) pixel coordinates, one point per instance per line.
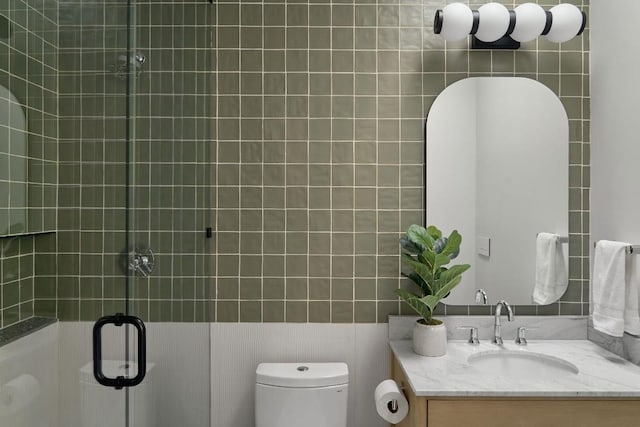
(497, 170)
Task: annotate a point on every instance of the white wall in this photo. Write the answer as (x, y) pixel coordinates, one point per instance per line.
(198, 366)
(237, 349)
(522, 183)
(179, 379)
(615, 130)
(451, 172)
(28, 380)
(615, 120)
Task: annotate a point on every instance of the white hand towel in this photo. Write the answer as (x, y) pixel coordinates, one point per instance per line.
(551, 269)
(632, 293)
(609, 287)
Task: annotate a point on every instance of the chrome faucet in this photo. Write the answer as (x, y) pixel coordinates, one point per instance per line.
(481, 296)
(497, 334)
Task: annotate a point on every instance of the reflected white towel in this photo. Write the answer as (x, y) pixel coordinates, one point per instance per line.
(632, 293)
(610, 290)
(551, 269)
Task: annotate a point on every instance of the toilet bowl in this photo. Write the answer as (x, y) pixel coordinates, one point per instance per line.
(301, 394)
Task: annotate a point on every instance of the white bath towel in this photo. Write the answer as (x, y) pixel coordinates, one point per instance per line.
(551, 269)
(610, 291)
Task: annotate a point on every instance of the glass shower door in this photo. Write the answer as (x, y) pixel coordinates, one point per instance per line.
(118, 371)
(162, 334)
(104, 142)
(168, 215)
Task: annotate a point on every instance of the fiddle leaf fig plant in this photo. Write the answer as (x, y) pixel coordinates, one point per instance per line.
(428, 253)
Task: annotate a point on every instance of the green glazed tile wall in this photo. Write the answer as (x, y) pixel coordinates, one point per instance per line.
(173, 159)
(313, 112)
(320, 109)
(171, 183)
(16, 279)
(28, 68)
(92, 171)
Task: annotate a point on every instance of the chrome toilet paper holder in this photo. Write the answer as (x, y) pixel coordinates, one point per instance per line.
(393, 404)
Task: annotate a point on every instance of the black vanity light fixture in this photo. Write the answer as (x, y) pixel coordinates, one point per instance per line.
(493, 26)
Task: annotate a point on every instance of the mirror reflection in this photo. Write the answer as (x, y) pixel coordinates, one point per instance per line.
(497, 170)
(13, 146)
(28, 133)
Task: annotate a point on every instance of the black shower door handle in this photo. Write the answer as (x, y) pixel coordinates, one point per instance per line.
(120, 381)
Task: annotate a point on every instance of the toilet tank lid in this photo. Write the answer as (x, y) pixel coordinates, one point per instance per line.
(302, 374)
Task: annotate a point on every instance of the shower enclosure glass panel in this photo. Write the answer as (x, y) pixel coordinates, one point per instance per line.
(169, 76)
(105, 127)
(139, 95)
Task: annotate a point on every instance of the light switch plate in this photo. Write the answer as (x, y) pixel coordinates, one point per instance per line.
(483, 245)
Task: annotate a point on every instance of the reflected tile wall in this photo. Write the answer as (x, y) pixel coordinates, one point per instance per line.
(17, 279)
(28, 68)
(320, 111)
(28, 144)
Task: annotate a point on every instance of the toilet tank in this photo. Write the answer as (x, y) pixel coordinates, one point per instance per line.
(301, 394)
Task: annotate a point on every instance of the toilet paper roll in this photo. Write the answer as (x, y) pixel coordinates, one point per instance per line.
(387, 392)
(18, 393)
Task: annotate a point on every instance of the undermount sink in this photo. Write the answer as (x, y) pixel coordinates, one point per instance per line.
(521, 364)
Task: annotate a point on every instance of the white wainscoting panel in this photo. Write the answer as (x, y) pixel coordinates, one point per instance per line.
(28, 380)
(185, 386)
(179, 378)
(237, 349)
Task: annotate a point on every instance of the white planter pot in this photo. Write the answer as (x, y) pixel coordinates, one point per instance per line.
(430, 340)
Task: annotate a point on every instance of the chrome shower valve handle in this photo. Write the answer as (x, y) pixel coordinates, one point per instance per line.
(141, 262)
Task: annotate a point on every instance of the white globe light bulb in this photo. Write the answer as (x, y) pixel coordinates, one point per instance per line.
(530, 22)
(566, 24)
(457, 20)
(494, 22)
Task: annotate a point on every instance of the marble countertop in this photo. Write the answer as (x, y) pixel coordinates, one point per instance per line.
(601, 373)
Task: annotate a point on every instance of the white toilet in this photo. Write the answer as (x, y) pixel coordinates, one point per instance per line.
(302, 394)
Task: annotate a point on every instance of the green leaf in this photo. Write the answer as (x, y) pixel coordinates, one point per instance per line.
(422, 270)
(418, 235)
(416, 303)
(440, 260)
(430, 274)
(434, 232)
(423, 260)
(453, 244)
(409, 246)
(447, 287)
(439, 244)
(419, 282)
(455, 270)
(446, 276)
(427, 257)
(431, 301)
